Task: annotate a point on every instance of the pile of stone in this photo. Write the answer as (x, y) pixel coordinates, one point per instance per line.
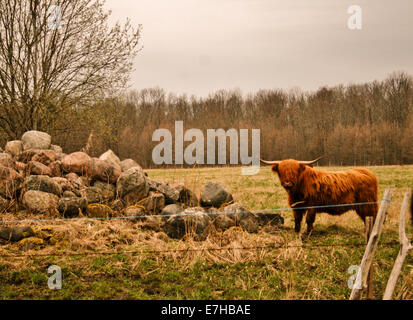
(38, 177)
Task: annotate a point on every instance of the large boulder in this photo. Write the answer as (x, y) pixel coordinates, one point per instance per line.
(26, 155)
(136, 211)
(128, 163)
(77, 162)
(103, 171)
(131, 186)
(107, 190)
(170, 193)
(154, 203)
(40, 202)
(56, 168)
(43, 183)
(72, 206)
(10, 182)
(172, 209)
(69, 194)
(223, 222)
(195, 225)
(214, 195)
(242, 217)
(36, 140)
(186, 196)
(92, 195)
(14, 147)
(37, 168)
(111, 158)
(75, 180)
(45, 156)
(269, 219)
(16, 233)
(65, 184)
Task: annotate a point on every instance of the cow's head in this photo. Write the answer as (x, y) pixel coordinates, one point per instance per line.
(289, 171)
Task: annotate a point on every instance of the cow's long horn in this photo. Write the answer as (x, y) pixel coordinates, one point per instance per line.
(269, 162)
(312, 161)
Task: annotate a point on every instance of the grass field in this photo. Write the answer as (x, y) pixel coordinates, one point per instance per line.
(188, 273)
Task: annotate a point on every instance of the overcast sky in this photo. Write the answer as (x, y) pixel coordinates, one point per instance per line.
(200, 46)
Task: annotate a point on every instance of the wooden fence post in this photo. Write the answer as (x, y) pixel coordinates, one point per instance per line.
(368, 256)
(405, 246)
(370, 290)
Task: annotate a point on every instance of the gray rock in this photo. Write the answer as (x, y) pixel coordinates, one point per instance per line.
(14, 147)
(71, 207)
(170, 193)
(172, 209)
(40, 202)
(56, 149)
(77, 162)
(223, 222)
(36, 140)
(242, 217)
(37, 168)
(154, 203)
(45, 156)
(43, 183)
(92, 195)
(194, 225)
(111, 158)
(271, 219)
(16, 234)
(65, 184)
(129, 163)
(108, 190)
(26, 155)
(131, 186)
(75, 179)
(69, 194)
(56, 168)
(135, 211)
(186, 196)
(104, 171)
(214, 195)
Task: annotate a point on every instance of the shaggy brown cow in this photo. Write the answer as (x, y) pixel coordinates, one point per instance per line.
(309, 187)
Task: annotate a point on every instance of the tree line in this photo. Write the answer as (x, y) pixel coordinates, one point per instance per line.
(355, 124)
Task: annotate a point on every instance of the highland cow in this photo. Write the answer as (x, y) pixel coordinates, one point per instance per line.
(325, 191)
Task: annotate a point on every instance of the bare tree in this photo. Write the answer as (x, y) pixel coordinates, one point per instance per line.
(59, 54)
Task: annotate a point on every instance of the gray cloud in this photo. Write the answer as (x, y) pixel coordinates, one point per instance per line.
(199, 46)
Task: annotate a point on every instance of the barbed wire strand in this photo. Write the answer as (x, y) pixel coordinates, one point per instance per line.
(281, 246)
(268, 211)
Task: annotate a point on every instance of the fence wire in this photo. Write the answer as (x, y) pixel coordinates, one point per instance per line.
(272, 246)
(141, 217)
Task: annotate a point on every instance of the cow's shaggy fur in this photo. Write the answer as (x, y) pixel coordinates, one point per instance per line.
(309, 187)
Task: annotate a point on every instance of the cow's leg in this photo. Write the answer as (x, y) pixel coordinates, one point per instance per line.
(310, 218)
(298, 217)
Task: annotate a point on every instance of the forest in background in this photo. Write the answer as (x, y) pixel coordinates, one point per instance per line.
(355, 124)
